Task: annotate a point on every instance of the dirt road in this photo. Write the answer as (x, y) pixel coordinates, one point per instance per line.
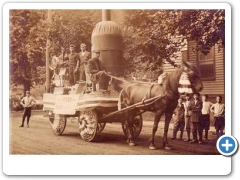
(39, 139)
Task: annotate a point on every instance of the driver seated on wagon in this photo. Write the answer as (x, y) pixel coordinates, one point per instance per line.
(98, 77)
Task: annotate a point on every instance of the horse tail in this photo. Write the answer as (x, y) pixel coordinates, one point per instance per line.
(120, 100)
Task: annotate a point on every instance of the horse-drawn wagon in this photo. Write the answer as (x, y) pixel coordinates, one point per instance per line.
(120, 103)
(93, 110)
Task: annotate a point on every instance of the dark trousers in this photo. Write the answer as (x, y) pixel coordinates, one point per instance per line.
(188, 125)
(204, 124)
(195, 130)
(26, 113)
(179, 125)
(219, 125)
(72, 75)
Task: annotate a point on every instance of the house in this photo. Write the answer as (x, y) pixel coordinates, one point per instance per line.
(210, 66)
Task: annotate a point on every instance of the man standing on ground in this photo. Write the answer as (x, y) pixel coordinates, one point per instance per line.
(27, 103)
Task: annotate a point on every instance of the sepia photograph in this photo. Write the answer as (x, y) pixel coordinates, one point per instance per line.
(112, 81)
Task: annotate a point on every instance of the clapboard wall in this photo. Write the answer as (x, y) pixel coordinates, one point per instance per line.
(211, 87)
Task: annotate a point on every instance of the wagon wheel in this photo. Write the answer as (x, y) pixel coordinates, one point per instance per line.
(136, 125)
(88, 125)
(58, 123)
(100, 127)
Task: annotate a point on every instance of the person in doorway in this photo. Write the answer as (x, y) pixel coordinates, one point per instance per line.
(27, 103)
(84, 56)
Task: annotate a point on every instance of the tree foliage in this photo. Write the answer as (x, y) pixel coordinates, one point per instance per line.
(27, 42)
(71, 27)
(207, 27)
(29, 30)
(150, 37)
(148, 41)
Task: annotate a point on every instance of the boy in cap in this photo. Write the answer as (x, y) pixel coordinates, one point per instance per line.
(27, 103)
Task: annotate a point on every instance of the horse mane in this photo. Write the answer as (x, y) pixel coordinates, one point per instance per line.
(172, 81)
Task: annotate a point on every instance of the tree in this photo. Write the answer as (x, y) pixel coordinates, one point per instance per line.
(29, 31)
(148, 42)
(207, 27)
(27, 40)
(71, 27)
(154, 36)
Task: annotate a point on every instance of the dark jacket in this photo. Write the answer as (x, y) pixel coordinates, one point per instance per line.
(196, 110)
(94, 66)
(179, 112)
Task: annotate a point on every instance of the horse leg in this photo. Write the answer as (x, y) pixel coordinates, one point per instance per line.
(168, 117)
(128, 121)
(158, 115)
(130, 125)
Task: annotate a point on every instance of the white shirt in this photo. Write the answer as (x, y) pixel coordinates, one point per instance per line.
(27, 101)
(206, 107)
(218, 109)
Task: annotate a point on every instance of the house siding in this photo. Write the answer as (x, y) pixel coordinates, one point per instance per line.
(210, 87)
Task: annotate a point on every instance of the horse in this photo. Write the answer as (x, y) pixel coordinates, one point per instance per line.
(168, 93)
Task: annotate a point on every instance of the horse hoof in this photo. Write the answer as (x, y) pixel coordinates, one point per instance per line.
(131, 144)
(167, 148)
(152, 147)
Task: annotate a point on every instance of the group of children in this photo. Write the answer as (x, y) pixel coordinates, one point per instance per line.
(195, 116)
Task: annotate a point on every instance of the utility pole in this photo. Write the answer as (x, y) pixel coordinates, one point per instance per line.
(47, 56)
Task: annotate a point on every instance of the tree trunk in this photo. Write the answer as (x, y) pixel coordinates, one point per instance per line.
(26, 87)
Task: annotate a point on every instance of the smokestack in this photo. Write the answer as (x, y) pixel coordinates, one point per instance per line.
(106, 15)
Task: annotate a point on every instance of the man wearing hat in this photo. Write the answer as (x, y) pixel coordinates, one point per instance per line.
(27, 103)
(84, 56)
(94, 66)
(73, 61)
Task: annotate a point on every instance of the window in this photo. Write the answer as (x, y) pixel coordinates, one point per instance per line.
(207, 65)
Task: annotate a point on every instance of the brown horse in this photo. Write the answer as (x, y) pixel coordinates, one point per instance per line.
(105, 80)
(138, 92)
